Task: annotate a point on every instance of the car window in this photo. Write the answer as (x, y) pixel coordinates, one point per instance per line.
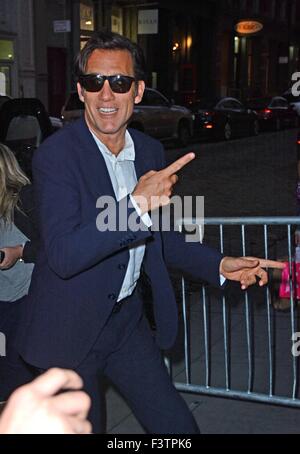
(291, 98)
(24, 129)
(74, 102)
(226, 104)
(236, 105)
(282, 103)
(153, 98)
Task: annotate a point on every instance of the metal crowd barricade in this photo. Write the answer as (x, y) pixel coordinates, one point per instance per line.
(186, 373)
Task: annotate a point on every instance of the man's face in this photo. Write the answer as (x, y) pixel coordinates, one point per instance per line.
(107, 113)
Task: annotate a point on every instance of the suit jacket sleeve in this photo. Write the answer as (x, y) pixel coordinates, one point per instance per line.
(26, 221)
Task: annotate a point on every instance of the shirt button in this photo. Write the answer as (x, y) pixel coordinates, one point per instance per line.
(112, 296)
(121, 266)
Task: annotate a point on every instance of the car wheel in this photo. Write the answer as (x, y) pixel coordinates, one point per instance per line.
(255, 128)
(227, 131)
(183, 134)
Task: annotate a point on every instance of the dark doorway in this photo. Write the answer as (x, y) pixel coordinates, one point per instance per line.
(56, 59)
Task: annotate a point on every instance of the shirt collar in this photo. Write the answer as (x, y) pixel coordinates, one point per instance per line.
(126, 154)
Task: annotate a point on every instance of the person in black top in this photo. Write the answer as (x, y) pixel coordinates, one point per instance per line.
(18, 243)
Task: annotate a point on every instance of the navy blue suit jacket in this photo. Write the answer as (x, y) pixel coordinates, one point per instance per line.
(79, 270)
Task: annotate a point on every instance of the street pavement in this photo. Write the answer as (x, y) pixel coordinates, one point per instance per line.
(254, 176)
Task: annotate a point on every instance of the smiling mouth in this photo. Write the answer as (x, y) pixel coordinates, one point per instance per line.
(107, 110)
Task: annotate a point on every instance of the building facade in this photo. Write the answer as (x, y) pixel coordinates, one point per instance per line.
(17, 57)
(193, 48)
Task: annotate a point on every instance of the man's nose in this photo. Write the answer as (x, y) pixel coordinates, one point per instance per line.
(106, 92)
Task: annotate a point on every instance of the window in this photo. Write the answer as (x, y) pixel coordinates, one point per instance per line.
(5, 80)
(87, 16)
(117, 20)
(6, 50)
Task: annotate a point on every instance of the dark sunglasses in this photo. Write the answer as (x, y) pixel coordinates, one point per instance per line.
(95, 82)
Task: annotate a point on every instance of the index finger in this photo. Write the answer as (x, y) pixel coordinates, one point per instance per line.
(177, 165)
(264, 263)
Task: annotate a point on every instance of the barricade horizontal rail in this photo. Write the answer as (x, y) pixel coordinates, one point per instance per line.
(245, 351)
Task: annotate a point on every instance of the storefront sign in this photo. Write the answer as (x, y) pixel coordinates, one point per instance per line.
(147, 21)
(61, 26)
(248, 27)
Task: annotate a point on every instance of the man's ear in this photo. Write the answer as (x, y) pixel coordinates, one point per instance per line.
(80, 92)
(139, 91)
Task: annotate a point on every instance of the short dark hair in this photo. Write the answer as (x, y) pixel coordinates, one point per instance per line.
(111, 41)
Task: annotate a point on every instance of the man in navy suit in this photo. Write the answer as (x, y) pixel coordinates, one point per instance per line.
(84, 310)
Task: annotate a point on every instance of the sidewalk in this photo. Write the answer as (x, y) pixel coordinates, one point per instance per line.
(217, 415)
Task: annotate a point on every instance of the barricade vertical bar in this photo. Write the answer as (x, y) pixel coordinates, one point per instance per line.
(207, 377)
(293, 329)
(270, 332)
(187, 359)
(224, 320)
(249, 350)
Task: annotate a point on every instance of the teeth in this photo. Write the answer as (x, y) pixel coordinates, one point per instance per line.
(107, 109)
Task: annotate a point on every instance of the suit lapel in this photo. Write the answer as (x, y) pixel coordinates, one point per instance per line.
(142, 165)
(94, 164)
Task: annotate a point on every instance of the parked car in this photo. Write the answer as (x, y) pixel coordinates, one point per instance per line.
(24, 124)
(56, 123)
(72, 109)
(3, 99)
(274, 113)
(294, 101)
(160, 118)
(155, 115)
(223, 118)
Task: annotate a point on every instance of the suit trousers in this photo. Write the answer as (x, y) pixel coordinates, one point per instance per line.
(14, 372)
(125, 352)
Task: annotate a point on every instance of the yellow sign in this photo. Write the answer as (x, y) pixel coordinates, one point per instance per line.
(248, 27)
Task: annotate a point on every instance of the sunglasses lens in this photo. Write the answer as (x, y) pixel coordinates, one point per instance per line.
(121, 84)
(92, 83)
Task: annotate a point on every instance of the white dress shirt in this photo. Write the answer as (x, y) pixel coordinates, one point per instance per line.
(121, 170)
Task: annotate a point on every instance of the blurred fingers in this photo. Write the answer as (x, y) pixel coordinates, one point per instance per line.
(54, 380)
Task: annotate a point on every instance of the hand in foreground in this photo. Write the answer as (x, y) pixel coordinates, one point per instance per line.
(246, 269)
(12, 254)
(36, 408)
(154, 189)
